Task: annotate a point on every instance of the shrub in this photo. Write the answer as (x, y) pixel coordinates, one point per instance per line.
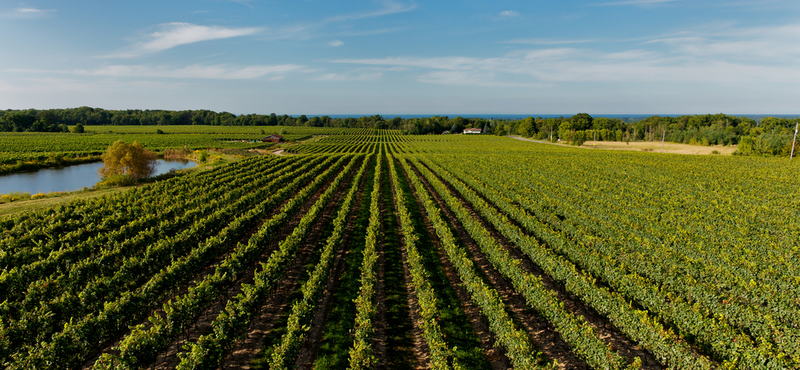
(132, 160)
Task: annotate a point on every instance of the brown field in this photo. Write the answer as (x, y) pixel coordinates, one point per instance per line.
(650, 146)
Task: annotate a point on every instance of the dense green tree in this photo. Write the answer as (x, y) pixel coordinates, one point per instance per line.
(581, 121)
(527, 127)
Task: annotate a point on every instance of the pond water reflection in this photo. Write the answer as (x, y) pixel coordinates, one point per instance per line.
(71, 177)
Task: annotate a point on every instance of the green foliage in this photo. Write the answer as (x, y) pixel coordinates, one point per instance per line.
(285, 353)
(766, 144)
(527, 128)
(574, 329)
(131, 160)
(581, 121)
(14, 196)
(486, 298)
(207, 352)
(28, 150)
(77, 129)
(691, 258)
(361, 353)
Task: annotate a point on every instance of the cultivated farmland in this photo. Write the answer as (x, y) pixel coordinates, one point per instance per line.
(372, 249)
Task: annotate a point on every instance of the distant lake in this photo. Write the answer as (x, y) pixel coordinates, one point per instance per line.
(70, 178)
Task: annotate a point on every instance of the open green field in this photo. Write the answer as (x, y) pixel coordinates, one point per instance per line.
(290, 132)
(372, 249)
(21, 151)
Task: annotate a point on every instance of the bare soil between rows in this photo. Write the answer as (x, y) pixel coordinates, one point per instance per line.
(543, 335)
(246, 350)
(607, 332)
(313, 337)
(495, 355)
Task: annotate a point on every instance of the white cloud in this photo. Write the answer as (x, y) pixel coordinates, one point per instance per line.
(390, 7)
(32, 11)
(335, 43)
(315, 29)
(509, 13)
(776, 45)
(176, 34)
(194, 71)
(734, 55)
(28, 13)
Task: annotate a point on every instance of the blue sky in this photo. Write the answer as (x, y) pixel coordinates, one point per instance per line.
(404, 57)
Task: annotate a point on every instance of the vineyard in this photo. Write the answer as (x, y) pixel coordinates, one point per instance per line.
(17, 147)
(371, 249)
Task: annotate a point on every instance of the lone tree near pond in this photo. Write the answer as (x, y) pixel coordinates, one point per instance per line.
(131, 160)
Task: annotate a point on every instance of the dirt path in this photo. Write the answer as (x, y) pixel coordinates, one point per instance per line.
(379, 337)
(394, 313)
(532, 140)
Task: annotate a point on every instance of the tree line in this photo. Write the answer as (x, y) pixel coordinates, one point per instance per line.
(768, 136)
(59, 120)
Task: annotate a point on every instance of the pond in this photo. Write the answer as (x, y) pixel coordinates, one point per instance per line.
(70, 178)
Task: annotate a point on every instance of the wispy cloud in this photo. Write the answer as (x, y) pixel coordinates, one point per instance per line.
(175, 34)
(335, 43)
(768, 54)
(389, 7)
(28, 13)
(509, 14)
(768, 45)
(223, 72)
(322, 28)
